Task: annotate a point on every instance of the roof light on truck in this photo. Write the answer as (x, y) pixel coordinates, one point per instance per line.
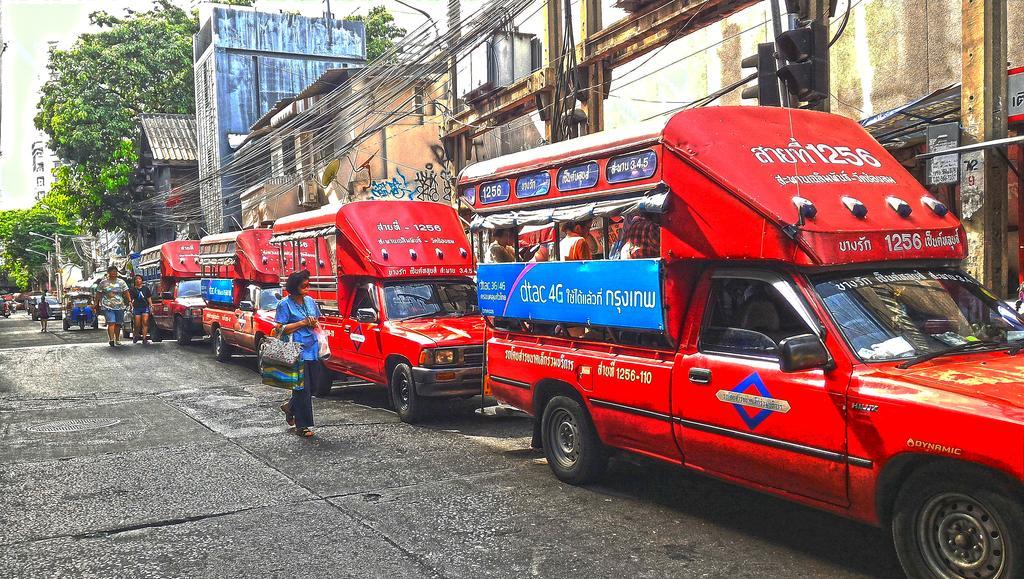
(859, 210)
(901, 207)
(384, 254)
(440, 254)
(412, 254)
(937, 207)
(806, 208)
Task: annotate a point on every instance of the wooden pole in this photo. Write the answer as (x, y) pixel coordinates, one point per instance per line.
(552, 53)
(983, 189)
(594, 75)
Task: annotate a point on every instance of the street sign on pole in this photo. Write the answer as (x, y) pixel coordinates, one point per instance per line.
(1015, 95)
(943, 169)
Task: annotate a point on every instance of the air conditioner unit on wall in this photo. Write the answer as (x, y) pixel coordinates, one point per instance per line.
(309, 193)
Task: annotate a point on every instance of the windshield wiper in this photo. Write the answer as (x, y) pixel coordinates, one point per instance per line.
(1015, 347)
(932, 355)
(418, 316)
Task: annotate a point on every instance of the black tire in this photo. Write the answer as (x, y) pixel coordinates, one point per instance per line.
(81, 323)
(67, 324)
(35, 318)
(181, 333)
(154, 331)
(126, 333)
(975, 521)
(95, 322)
(259, 355)
(573, 449)
(406, 402)
(221, 349)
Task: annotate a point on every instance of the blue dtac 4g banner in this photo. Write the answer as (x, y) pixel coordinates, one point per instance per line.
(623, 294)
(218, 290)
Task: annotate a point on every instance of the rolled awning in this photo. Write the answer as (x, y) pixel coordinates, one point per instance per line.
(654, 201)
(306, 234)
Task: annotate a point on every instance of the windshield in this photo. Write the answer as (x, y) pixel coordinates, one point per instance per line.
(430, 298)
(190, 289)
(899, 314)
(269, 298)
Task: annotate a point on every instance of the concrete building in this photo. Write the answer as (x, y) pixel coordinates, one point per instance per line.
(43, 164)
(245, 62)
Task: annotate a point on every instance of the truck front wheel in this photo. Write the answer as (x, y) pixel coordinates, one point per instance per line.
(573, 449)
(950, 523)
(221, 349)
(181, 332)
(407, 403)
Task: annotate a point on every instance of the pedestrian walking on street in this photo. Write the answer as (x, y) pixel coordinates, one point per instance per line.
(1020, 295)
(43, 310)
(142, 307)
(297, 317)
(112, 296)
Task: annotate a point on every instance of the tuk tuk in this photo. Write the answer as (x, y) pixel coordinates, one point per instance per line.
(78, 308)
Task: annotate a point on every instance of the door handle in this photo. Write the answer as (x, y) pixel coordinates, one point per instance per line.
(700, 376)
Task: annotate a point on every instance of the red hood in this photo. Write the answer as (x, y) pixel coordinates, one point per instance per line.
(467, 330)
(992, 377)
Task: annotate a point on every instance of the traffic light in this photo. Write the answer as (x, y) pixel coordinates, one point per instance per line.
(766, 91)
(805, 50)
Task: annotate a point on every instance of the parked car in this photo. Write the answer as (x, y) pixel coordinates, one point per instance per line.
(56, 311)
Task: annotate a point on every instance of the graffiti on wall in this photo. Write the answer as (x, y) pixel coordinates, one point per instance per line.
(428, 184)
(397, 187)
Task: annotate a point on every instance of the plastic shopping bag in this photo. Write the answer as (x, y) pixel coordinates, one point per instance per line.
(324, 351)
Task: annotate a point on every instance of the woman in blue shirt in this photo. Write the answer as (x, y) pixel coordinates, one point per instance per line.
(297, 317)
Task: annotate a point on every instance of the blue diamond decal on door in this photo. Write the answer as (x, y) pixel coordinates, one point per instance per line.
(753, 381)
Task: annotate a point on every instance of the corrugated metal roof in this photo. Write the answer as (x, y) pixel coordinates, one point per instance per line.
(906, 125)
(171, 137)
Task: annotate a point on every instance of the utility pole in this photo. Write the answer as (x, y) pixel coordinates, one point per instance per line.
(457, 154)
(594, 75)
(983, 188)
(552, 56)
(60, 269)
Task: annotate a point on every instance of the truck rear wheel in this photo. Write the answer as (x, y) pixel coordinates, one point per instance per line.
(407, 403)
(950, 523)
(181, 333)
(221, 349)
(573, 449)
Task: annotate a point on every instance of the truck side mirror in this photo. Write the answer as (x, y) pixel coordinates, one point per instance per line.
(803, 352)
(246, 306)
(366, 315)
(167, 296)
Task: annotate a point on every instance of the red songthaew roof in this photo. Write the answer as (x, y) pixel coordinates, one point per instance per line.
(177, 258)
(388, 238)
(249, 255)
(737, 178)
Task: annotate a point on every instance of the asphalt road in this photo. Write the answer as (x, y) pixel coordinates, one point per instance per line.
(160, 461)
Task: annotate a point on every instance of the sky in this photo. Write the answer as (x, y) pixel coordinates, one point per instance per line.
(27, 27)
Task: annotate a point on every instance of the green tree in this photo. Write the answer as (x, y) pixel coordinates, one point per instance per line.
(141, 63)
(381, 31)
(16, 240)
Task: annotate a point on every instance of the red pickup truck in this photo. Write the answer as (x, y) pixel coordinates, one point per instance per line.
(775, 301)
(240, 284)
(172, 274)
(394, 281)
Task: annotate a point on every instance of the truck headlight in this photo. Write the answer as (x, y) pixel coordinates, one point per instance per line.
(439, 357)
(445, 356)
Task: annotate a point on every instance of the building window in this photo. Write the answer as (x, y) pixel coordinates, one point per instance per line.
(40, 182)
(39, 168)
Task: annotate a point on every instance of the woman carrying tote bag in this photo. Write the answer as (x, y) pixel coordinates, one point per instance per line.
(297, 320)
